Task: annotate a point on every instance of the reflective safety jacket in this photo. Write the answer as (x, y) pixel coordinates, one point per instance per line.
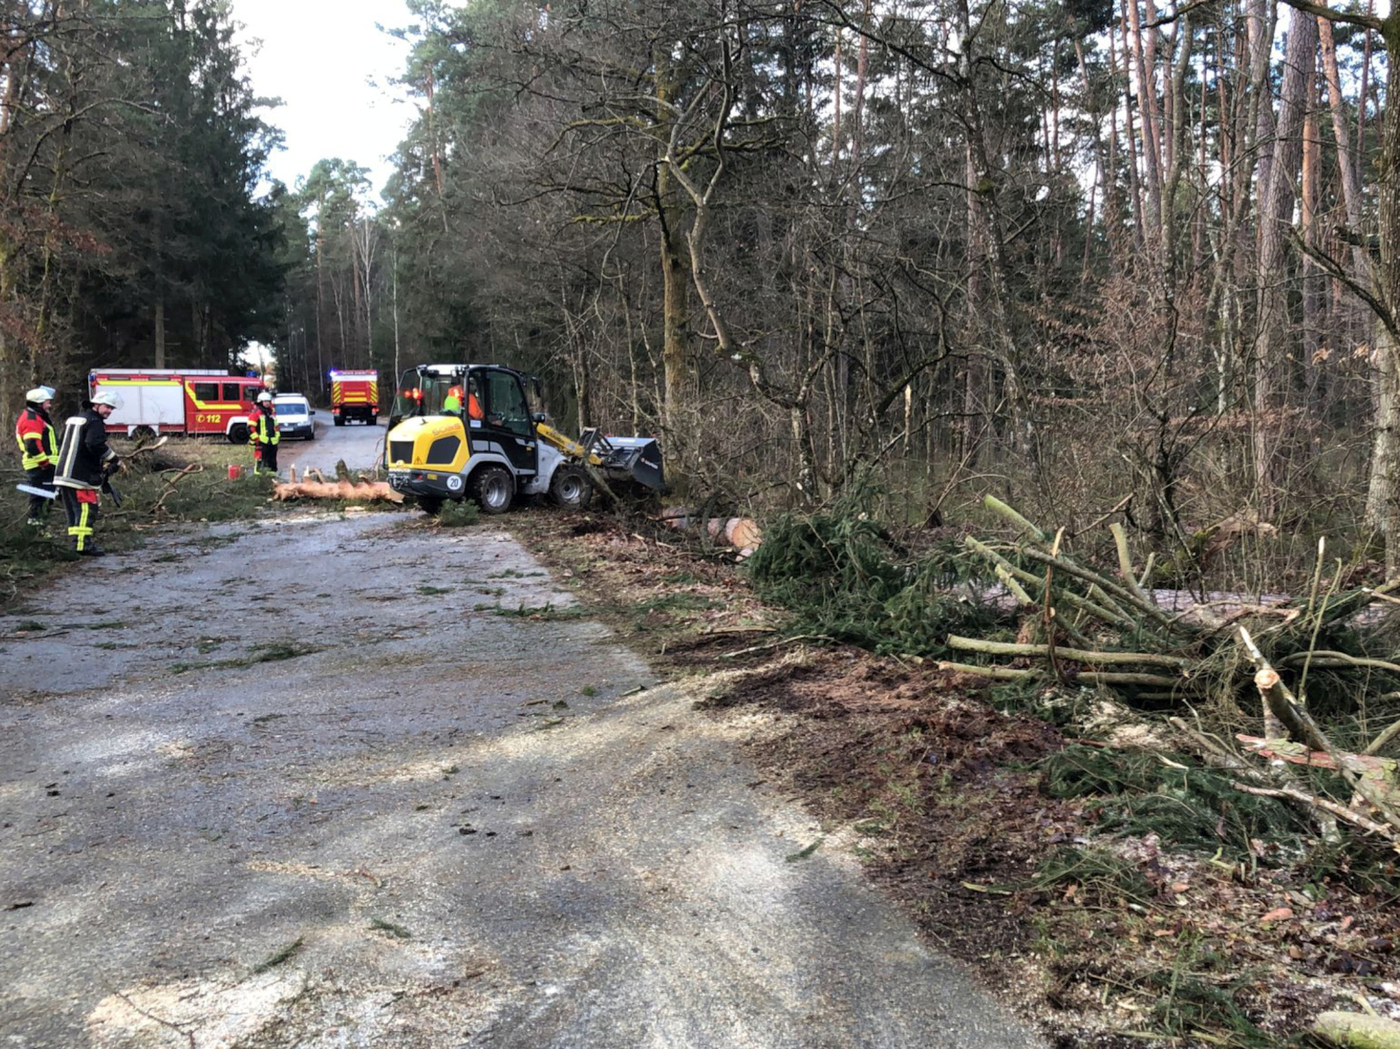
(262, 426)
(84, 456)
(453, 401)
(35, 435)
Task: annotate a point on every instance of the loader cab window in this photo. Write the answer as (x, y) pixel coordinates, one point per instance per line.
(405, 401)
(419, 394)
(506, 407)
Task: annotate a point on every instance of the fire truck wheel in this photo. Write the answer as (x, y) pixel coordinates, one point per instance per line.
(238, 435)
(493, 488)
(340, 420)
(142, 433)
(571, 487)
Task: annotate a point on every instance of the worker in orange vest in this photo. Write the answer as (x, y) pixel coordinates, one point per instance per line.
(39, 449)
(262, 434)
(452, 403)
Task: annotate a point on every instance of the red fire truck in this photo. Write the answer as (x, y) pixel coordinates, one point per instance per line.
(178, 400)
(355, 395)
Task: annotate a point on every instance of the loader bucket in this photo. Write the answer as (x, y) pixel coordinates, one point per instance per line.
(636, 459)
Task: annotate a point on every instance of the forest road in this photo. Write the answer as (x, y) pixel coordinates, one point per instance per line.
(315, 781)
(356, 444)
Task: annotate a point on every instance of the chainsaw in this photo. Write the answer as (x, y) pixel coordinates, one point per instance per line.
(106, 486)
(44, 493)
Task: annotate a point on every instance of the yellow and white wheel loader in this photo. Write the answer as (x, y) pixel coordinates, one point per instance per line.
(467, 431)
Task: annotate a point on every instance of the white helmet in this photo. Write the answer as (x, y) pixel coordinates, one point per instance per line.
(264, 397)
(106, 397)
(39, 395)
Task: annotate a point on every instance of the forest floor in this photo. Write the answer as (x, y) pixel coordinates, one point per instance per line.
(1103, 936)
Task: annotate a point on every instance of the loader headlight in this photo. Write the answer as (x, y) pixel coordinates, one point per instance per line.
(454, 483)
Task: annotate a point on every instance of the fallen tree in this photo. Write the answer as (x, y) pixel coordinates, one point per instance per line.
(1087, 625)
(342, 489)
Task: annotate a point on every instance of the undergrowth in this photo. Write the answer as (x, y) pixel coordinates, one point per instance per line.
(1192, 808)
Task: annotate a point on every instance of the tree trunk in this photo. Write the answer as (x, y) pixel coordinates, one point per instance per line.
(675, 321)
(159, 325)
(1275, 218)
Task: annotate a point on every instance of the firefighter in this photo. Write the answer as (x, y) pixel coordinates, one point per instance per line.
(262, 434)
(39, 448)
(84, 463)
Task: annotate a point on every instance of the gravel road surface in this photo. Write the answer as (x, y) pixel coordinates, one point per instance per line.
(315, 782)
(355, 443)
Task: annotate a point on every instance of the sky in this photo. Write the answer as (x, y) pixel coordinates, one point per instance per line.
(333, 70)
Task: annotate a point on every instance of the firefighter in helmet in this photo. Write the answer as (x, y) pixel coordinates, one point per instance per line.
(262, 434)
(38, 448)
(84, 462)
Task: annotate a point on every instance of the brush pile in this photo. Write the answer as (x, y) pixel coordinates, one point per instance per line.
(1287, 665)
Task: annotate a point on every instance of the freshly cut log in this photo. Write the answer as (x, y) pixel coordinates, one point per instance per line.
(742, 533)
(363, 492)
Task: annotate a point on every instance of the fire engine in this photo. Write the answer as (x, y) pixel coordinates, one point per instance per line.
(178, 400)
(355, 395)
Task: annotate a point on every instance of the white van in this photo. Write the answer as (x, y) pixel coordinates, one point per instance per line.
(294, 416)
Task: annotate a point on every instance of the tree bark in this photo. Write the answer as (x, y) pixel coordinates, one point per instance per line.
(1275, 218)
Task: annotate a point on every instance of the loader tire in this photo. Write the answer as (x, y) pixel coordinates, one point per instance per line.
(430, 504)
(493, 489)
(571, 488)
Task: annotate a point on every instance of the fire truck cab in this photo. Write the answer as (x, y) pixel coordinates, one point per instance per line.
(178, 400)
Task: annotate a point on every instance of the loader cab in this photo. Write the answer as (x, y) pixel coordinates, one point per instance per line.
(508, 420)
(507, 427)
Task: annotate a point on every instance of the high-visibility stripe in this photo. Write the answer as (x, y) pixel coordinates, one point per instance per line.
(138, 382)
(81, 530)
(214, 405)
(369, 394)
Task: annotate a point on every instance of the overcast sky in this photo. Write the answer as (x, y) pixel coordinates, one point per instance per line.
(333, 70)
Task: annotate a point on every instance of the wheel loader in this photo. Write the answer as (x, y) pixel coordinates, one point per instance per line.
(467, 431)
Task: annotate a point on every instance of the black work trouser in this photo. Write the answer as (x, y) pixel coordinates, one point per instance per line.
(82, 518)
(39, 477)
(268, 460)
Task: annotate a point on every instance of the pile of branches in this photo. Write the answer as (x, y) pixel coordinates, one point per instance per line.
(1085, 625)
(844, 577)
